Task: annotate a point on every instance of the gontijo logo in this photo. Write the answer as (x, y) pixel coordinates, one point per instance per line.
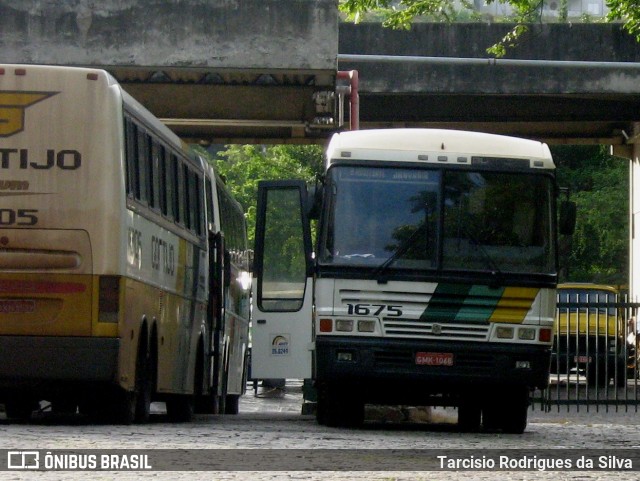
(12, 109)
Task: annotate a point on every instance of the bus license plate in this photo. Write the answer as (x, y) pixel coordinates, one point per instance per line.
(434, 359)
(582, 359)
(14, 306)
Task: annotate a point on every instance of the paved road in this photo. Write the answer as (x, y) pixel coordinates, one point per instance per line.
(273, 420)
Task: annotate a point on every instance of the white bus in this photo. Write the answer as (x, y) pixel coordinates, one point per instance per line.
(121, 256)
(432, 281)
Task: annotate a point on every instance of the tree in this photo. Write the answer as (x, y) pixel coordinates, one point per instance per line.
(599, 185)
(242, 166)
(401, 13)
(629, 12)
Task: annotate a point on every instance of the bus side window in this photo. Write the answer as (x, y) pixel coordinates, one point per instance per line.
(142, 160)
(183, 195)
(175, 188)
(131, 158)
(192, 199)
(199, 205)
(169, 185)
(151, 172)
(157, 165)
(209, 203)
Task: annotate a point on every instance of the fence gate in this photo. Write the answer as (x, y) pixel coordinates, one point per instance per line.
(595, 353)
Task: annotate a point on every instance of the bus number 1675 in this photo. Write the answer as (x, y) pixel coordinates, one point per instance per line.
(374, 310)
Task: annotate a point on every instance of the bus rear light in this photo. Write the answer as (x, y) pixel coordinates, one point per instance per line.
(545, 335)
(326, 325)
(109, 299)
(20, 71)
(344, 325)
(92, 76)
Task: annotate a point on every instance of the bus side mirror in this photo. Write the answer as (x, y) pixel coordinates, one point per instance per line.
(314, 201)
(568, 212)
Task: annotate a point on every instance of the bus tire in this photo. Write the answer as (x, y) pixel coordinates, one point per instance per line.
(180, 408)
(512, 410)
(469, 416)
(123, 410)
(205, 402)
(515, 419)
(145, 373)
(339, 407)
(232, 404)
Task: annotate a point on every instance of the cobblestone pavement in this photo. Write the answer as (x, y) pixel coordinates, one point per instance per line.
(272, 420)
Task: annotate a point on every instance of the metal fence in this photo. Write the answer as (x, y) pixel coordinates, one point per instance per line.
(595, 355)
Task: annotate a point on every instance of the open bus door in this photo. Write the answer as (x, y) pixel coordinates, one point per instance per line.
(282, 330)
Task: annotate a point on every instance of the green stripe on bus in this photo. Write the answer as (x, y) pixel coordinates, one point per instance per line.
(462, 303)
(446, 302)
(480, 304)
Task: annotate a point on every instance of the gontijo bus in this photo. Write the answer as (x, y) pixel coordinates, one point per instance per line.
(432, 280)
(120, 255)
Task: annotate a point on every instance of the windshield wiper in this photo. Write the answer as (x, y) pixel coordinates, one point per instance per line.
(496, 273)
(401, 250)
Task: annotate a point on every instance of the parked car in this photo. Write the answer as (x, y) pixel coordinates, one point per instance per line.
(591, 334)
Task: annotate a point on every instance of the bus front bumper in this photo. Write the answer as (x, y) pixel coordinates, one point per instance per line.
(405, 367)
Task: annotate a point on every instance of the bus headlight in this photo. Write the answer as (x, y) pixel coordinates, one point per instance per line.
(344, 325)
(504, 332)
(366, 326)
(526, 334)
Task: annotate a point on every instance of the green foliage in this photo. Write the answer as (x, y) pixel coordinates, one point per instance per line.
(400, 14)
(629, 12)
(242, 166)
(600, 187)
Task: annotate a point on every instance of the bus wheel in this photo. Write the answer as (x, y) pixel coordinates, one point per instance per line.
(124, 407)
(145, 382)
(232, 404)
(180, 408)
(339, 407)
(469, 415)
(515, 407)
(20, 409)
(205, 403)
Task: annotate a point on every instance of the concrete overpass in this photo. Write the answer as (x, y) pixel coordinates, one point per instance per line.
(264, 70)
(221, 71)
(563, 84)
(247, 71)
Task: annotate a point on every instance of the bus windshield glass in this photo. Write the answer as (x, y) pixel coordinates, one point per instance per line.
(425, 219)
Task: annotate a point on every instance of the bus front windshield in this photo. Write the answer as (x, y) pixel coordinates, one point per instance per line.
(427, 219)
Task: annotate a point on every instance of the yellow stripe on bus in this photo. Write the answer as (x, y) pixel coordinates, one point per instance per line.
(514, 304)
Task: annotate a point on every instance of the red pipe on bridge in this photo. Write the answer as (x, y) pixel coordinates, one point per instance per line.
(354, 97)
